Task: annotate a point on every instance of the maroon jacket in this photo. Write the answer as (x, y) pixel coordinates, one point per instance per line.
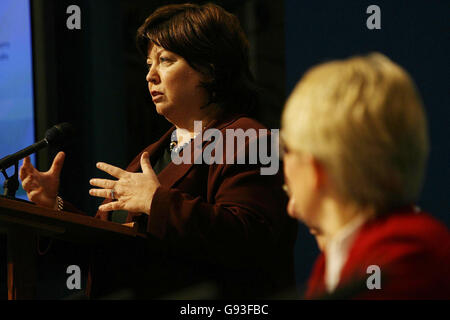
(224, 224)
(413, 253)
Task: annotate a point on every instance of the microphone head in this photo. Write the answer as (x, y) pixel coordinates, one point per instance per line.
(59, 133)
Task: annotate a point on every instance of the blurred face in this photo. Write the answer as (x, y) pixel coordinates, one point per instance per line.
(302, 180)
(175, 87)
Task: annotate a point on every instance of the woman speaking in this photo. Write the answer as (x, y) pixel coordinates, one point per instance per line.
(223, 223)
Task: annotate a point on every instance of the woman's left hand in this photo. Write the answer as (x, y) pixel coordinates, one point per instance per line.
(132, 191)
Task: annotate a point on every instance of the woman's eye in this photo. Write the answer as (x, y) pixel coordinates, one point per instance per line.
(163, 59)
(149, 65)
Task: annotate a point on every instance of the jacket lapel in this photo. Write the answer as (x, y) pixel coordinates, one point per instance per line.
(152, 149)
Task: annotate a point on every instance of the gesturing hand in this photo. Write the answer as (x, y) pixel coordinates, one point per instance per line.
(42, 187)
(133, 191)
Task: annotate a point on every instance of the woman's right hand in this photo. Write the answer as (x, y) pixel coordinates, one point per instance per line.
(42, 187)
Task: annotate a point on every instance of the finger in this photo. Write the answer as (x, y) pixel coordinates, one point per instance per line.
(33, 196)
(29, 184)
(26, 183)
(111, 206)
(112, 170)
(27, 162)
(22, 173)
(145, 163)
(25, 168)
(101, 193)
(57, 163)
(103, 183)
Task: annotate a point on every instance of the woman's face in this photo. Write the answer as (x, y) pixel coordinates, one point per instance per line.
(175, 87)
(304, 199)
(298, 185)
(301, 179)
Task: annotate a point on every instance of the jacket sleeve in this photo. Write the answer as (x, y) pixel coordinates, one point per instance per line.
(243, 219)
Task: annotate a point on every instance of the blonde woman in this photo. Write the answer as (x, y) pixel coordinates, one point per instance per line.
(356, 144)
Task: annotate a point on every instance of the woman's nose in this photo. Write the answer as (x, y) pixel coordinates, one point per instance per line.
(291, 206)
(152, 76)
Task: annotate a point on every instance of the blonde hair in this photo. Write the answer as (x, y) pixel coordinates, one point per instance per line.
(363, 119)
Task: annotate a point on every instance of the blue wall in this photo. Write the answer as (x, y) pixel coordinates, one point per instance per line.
(415, 34)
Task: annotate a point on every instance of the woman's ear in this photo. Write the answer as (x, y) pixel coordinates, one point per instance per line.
(319, 173)
(210, 73)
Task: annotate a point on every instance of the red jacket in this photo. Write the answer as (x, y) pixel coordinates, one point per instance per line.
(413, 253)
(224, 223)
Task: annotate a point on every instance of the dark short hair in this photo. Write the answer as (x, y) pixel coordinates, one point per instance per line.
(212, 41)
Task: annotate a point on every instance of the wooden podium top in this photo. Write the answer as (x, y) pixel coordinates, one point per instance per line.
(64, 225)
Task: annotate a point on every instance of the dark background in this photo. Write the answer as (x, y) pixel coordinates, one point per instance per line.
(95, 79)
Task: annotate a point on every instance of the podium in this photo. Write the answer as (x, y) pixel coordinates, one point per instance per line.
(23, 221)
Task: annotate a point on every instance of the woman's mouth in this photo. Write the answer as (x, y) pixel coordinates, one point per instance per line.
(156, 96)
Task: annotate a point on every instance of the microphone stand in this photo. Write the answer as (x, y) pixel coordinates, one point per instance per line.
(11, 184)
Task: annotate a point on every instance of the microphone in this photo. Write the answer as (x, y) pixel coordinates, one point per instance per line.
(54, 136)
